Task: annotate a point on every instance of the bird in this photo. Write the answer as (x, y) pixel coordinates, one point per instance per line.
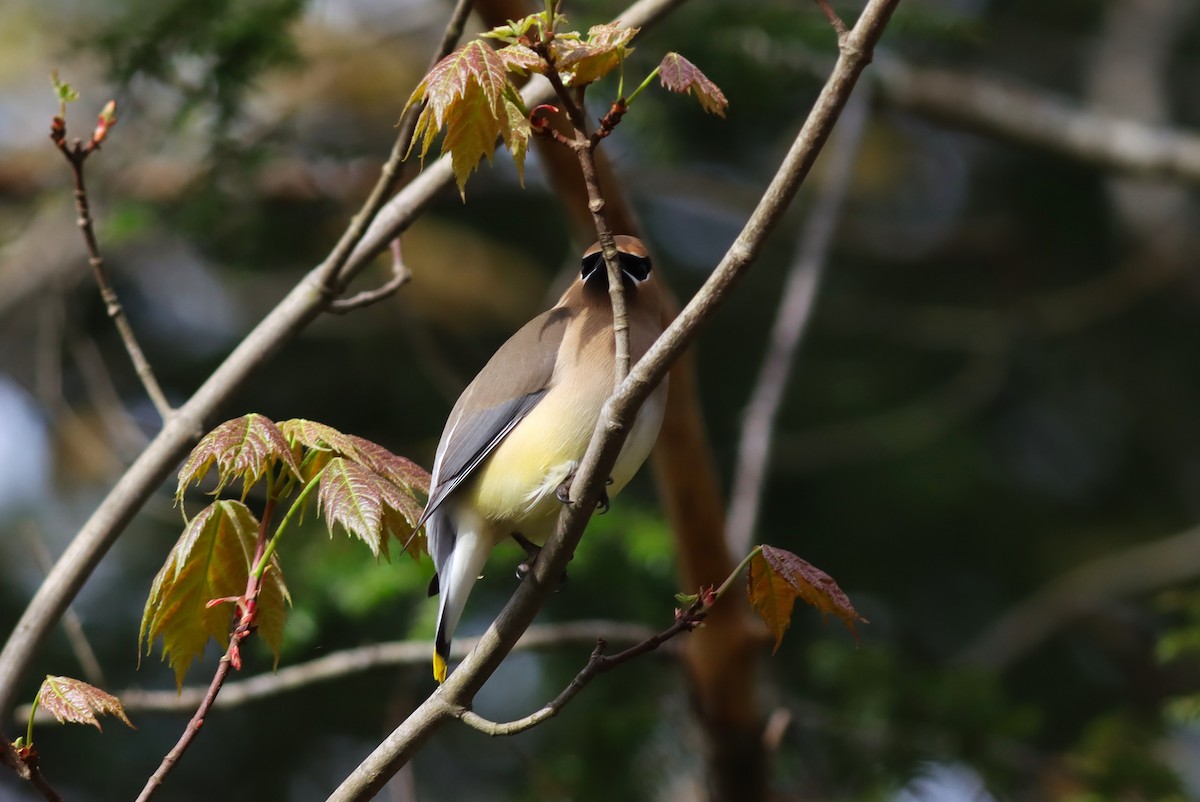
(516, 435)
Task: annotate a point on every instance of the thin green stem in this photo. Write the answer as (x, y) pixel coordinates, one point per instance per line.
(297, 505)
(621, 76)
(737, 571)
(645, 83)
(32, 709)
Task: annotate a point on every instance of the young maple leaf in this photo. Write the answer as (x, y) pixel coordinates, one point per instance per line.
(466, 93)
(366, 504)
(680, 75)
(75, 701)
(583, 62)
(778, 577)
(211, 560)
(245, 448)
(318, 436)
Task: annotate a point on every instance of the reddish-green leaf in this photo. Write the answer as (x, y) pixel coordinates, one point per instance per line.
(583, 62)
(464, 93)
(365, 504)
(211, 560)
(778, 578)
(319, 436)
(74, 701)
(245, 448)
(521, 59)
(398, 470)
(680, 75)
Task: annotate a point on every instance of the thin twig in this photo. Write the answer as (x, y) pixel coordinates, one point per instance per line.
(597, 664)
(245, 617)
(462, 685)
(584, 144)
(791, 322)
(838, 26)
(1139, 569)
(400, 276)
(76, 154)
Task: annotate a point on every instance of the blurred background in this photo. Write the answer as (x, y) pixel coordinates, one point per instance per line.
(989, 436)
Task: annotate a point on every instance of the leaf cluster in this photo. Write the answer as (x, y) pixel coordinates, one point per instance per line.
(470, 93)
(224, 553)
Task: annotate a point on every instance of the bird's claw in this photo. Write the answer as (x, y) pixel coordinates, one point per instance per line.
(532, 550)
(563, 493)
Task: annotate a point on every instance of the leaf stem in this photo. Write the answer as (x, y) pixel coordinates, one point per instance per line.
(37, 699)
(261, 567)
(644, 84)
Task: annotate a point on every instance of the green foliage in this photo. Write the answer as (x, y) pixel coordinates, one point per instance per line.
(209, 564)
(224, 555)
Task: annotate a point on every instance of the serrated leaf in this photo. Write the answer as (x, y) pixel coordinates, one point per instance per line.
(680, 75)
(521, 59)
(211, 560)
(366, 504)
(74, 701)
(396, 469)
(777, 578)
(319, 436)
(243, 448)
(587, 61)
(516, 133)
(463, 93)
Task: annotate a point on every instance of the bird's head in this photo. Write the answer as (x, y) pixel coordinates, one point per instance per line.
(632, 255)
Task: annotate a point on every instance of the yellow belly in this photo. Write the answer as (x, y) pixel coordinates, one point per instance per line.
(514, 488)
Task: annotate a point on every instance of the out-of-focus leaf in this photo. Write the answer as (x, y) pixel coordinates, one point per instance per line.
(464, 93)
(63, 90)
(680, 75)
(366, 504)
(778, 577)
(210, 561)
(75, 701)
(245, 448)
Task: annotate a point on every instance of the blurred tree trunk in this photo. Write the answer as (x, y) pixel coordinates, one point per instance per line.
(720, 658)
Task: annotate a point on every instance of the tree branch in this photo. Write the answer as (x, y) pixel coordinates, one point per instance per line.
(76, 154)
(24, 762)
(400, 276)
(616, 418)
(1039, 119)
(597, 664)
(348, 662)
(791, 322)
(1128, 572)
(293, 313)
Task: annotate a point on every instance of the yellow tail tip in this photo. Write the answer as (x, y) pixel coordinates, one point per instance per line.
(439, 668)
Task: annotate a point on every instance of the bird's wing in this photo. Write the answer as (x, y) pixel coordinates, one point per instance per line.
(509, 386)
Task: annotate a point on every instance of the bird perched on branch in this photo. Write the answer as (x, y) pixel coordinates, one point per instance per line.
(516, 435)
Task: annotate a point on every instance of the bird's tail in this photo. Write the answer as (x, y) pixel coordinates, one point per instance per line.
(456, 576)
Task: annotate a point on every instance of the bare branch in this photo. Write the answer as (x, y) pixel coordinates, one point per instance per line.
(76, 154)
(25, 763)
(597, 664)
(616, 419)
(839, 27)
(1041, 120)
(1128, 572)
(345, 663)
(791, 322)
(400, 276)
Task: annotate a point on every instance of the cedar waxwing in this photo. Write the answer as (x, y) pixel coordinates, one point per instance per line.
(519, 430)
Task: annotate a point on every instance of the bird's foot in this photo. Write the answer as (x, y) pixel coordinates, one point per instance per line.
(532, 550)
(563, 493)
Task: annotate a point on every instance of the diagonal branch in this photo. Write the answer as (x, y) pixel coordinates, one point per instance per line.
(618, 414)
